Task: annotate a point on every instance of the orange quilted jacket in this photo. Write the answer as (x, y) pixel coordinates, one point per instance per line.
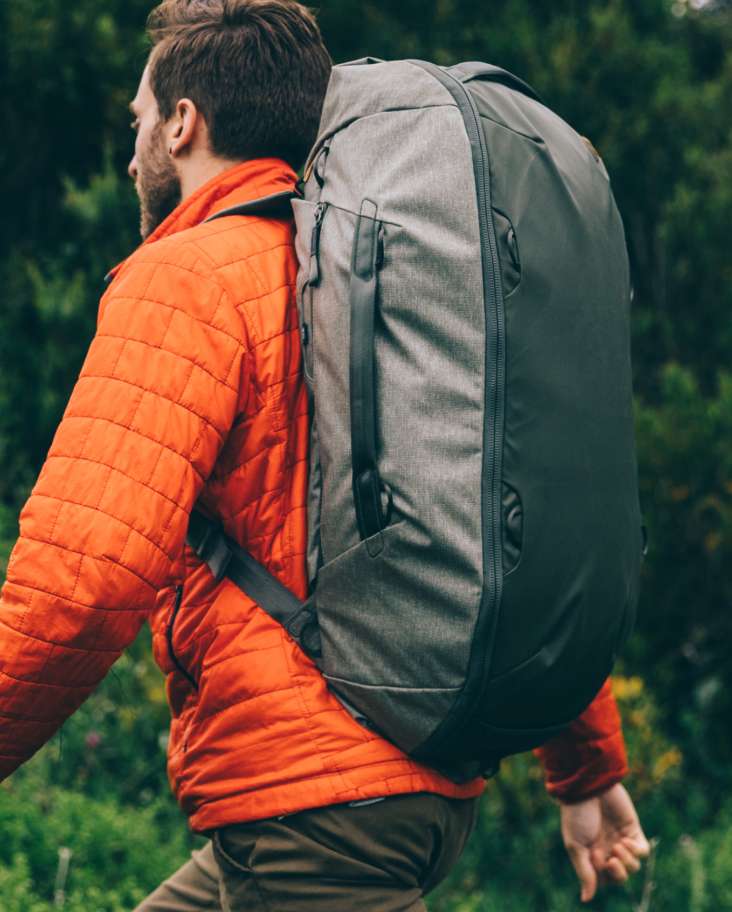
(192, 392)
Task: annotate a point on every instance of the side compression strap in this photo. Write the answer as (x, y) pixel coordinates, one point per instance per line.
(225, 558)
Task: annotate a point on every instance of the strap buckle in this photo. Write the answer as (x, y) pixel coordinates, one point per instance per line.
(304, 629)
(213, 550)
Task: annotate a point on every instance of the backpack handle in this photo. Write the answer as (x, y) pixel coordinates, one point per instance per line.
(362, 61)
(475, 70)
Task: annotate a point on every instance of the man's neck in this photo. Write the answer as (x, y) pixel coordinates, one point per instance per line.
(194, 174)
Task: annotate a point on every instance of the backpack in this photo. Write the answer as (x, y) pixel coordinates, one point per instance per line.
(474, 527)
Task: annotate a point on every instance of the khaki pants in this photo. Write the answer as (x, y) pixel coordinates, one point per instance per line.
(377, 857)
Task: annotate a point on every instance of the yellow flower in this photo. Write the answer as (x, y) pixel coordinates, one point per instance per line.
(667, 761)
(626, 689)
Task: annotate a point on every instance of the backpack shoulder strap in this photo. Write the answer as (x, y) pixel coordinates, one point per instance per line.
(225, 558)
(276, 205)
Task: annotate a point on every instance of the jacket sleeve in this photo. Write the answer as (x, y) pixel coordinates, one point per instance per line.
(107, 518)
(589, 756)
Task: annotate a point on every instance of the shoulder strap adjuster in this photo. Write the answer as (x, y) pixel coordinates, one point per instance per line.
(210, 545)
(303, 627)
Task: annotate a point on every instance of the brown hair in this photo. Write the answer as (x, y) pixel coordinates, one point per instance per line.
(256, 69)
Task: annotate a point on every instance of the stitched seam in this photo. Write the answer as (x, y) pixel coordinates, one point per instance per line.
(290, 378)
(240, 346)
(255, 538)
(106, 513)
(183, 357)
(256, 254)
(78, 573)
(144, 299)
(248, 699)
(218, 227)
(149, 483)
(268, 448)
(65, 686)
(157, 261)
(262, 494)
(287, 331)
(139, 433)
(65, 598)
(214, 627)
(238, 307)
(38, 639)
(242, 302)
(43, 541)
(145, 391)
(171, 317)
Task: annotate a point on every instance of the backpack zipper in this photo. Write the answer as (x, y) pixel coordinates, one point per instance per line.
(479, 665)
(308, 318)
(320, 211)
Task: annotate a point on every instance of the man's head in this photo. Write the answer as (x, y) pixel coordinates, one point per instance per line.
(226, 81)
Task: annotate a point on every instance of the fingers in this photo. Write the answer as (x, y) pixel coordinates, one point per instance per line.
(626, 857)
(615, 870)
(623, 860)
(638, 845)
(582, 863)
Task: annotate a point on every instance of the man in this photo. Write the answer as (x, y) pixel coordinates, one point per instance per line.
(191, 394)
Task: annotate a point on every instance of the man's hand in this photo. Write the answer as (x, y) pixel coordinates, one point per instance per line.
(604, 839)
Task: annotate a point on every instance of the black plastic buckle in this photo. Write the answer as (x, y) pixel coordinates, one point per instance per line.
(299, 621)
(304, 629)
(219, 558)
(202, 546)
(213, 550)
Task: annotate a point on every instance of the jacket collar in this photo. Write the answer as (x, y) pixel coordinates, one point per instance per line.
(239, 184)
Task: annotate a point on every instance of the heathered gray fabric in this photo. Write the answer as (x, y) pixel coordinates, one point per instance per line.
(404, 619)
(357, 92)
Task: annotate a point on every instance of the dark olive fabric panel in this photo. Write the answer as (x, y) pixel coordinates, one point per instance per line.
(569, 448)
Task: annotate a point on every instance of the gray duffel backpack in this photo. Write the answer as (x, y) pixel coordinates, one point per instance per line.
(474, 528)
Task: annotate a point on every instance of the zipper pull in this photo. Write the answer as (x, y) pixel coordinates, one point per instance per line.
(320, 211)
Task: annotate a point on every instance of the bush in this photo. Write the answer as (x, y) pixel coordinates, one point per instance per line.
(118, 854)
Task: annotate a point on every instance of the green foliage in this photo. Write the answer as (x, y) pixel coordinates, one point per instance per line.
(686, 490)
(117, 857)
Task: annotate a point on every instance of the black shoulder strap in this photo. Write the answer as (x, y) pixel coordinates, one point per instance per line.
(277, 205)
(226, 558)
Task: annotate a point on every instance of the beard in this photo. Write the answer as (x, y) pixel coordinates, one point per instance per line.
(158, 185)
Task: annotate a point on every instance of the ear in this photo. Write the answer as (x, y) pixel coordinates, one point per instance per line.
(185, 128)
